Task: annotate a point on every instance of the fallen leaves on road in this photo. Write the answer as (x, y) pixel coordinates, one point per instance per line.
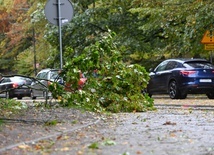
(109, 142)
(169, 123)
(94, 146)
(65, 149)
(23, 146)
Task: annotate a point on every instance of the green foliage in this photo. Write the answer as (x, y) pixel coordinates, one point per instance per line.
(25, 64)
(94, 146)
(56, 89)
(51, 123)
(117, 86)
(109, 142)
(9, 107)
(151, 30)
(159, 30)
(1, 122)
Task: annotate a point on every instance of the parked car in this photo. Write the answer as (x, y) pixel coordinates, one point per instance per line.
(16, 86)
(179, 77)
(45, 77)
(39, 87)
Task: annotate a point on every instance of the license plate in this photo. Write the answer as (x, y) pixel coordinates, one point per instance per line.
(205, 80)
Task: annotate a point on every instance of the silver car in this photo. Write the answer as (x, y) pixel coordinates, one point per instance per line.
(39, 87)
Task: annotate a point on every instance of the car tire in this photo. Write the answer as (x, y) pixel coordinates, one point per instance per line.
(174, 92)
(19, 98)
(32, 95)
(210, 95)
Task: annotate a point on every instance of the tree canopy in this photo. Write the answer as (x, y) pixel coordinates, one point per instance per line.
(147, 30)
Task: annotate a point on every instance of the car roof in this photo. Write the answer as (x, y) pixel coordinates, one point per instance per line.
(184, 60)
(15, 78)
(48, 69)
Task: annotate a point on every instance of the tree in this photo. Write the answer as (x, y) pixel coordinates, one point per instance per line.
(22, 17)
(146, 30)
(117, 85)
(14, 40)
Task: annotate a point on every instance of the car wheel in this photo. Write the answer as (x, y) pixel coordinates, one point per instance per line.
(32, 95)
(210, 95)
(174, 92)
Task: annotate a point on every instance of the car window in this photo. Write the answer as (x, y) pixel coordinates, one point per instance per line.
(39, 75)
(54, 74)
(171, 65)
(45, 75)
(199, 64)
(26, 80)
(5, 80)
(42, 75)
(161, 67)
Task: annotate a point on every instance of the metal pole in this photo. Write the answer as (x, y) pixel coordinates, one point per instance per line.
(60, 33)
(34, 50)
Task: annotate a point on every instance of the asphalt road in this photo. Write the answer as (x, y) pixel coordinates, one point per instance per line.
(177, 127)
(160, 101)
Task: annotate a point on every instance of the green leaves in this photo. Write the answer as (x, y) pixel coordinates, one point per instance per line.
(96, 145)
(147, 31)
(117, 85)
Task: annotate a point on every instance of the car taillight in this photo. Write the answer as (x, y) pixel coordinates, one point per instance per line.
(212, 71)
(187, 73)
(15, 85)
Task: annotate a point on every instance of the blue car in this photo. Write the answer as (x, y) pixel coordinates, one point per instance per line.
(179, 77)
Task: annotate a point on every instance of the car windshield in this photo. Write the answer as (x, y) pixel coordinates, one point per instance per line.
(199, 64)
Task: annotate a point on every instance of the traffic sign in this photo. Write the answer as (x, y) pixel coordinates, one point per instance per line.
(59, 12)
(209, 46)
(208, 37)
(52, 11)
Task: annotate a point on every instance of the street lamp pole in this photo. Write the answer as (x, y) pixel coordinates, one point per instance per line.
(34, 51)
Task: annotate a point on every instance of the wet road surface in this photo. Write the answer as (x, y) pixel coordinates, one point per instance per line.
(177, 127)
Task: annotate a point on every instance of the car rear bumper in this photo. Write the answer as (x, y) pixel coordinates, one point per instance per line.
(21, 93)
(198, 88)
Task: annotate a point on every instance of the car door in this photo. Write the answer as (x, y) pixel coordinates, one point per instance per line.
(38, 85)
(167, 74)
(157, 78)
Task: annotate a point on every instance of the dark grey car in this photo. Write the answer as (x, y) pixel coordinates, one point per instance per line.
(16, 86)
